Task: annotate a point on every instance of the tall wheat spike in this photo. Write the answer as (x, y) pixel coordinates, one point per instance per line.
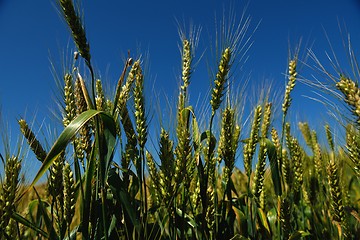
(78, 32)
(141, 125)
(69, 99)
(290, 86)
(220, 80)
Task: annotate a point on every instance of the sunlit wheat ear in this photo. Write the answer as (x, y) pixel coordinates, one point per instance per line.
(286, 168)
(276, 140)
(317, 155)
(195, 193)
(77, 30)
(55, 181)
(100, 97)
(250, 146)
(305, 130)
(210, 213)
(337, 207)
(185, 75)
(8, 191)
(154, 178)
(353, 147)
(69, 99)
(126, 88)
(32, 141)
(258, 187)
(265, 125)
(288, 136)
(69, 194)
(141, 125)
(167, 159)
(351, 93)
(182, 152)
(329, 137)
(186, 64)
(297, 163)
(228, 143)
(220, 80)
(83, 141)
(290, 85)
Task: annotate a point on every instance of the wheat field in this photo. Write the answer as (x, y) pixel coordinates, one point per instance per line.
(208, 177)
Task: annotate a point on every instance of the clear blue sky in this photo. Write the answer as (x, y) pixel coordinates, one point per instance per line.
(31, 33)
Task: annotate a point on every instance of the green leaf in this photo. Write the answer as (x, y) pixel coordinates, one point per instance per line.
(44, 214)
(120, 193)
(264, 222)
(20, 219)
(65, 137)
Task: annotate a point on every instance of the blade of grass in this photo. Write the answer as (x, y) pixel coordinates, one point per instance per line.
(65, 137)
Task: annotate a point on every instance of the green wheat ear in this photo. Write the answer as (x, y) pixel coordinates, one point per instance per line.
(228, 143)
(8, 190)
(337, 207)
(69, 194)
(250, 146)
(220, 80)
(351, 93)
(78, 32)
(69, 99)
(34, 144)
(353, 147)
(141, 125)
(290, 86)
